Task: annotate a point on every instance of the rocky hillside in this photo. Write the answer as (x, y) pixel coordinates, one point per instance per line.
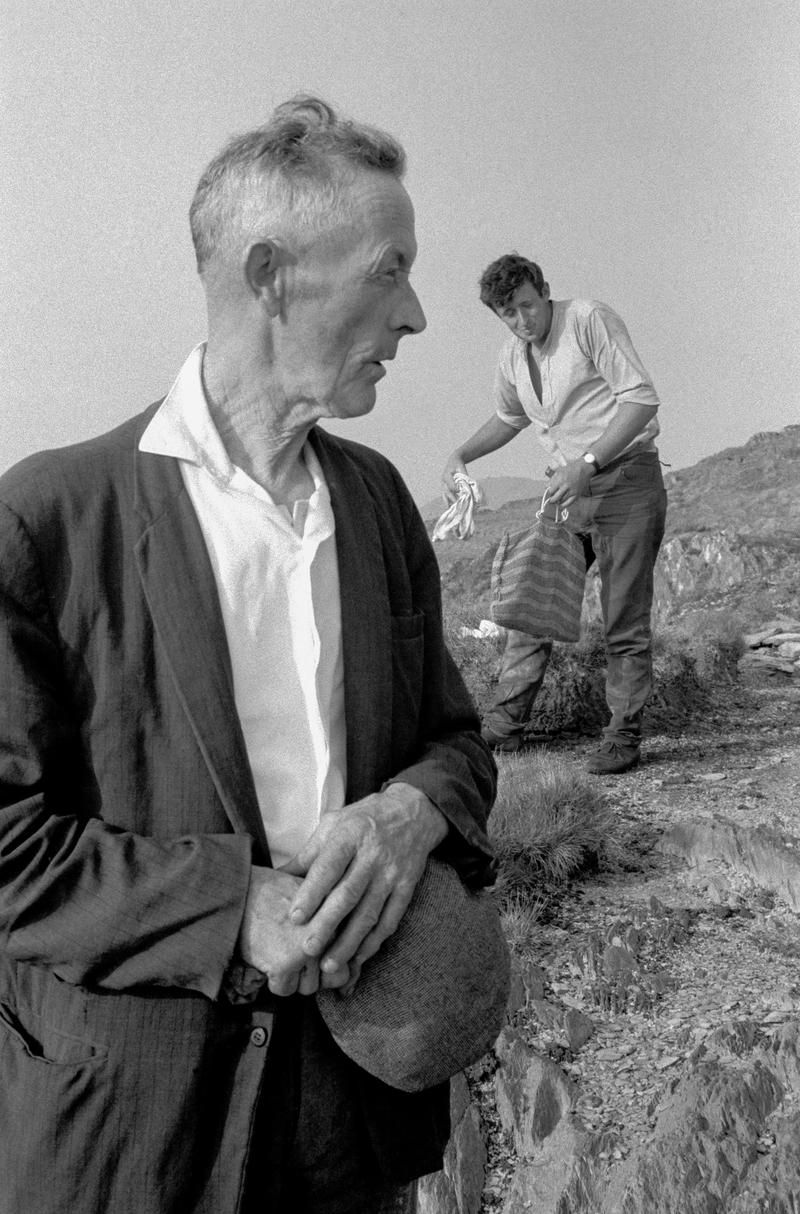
(732, 540)
(752, 490)
(651, 1062)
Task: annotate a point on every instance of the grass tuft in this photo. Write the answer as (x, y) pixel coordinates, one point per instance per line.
(549, 821)
(520, 915)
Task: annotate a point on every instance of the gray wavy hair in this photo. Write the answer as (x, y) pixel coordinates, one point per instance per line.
(288, 177)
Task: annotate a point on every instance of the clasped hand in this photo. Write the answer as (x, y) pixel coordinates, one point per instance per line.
(314, 922)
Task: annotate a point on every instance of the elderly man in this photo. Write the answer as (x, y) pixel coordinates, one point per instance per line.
(569, 368)
(230, 734)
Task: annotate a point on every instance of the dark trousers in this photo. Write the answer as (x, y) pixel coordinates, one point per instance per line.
(621, 523)
(309, 1152)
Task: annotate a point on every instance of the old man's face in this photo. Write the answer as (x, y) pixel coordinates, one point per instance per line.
(348, 303)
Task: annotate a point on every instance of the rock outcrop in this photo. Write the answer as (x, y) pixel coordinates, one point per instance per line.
(723, 1137)
(721, 1133)
(457, 1189)
(774, 647)
(767, 853)
(719, 568)
(720, 1137)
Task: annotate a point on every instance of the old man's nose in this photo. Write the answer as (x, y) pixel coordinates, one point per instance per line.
(412, 317)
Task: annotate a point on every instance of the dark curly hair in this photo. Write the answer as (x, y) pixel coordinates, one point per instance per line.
(506, 275)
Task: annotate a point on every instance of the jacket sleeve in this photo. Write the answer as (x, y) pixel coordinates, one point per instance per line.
(454, 767)
(96, 904)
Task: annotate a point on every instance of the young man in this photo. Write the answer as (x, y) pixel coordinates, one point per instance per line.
(568, 368)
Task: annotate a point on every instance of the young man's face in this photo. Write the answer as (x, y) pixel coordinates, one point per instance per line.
(528, 313)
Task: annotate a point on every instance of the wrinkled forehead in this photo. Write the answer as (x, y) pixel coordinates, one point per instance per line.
(376, 216)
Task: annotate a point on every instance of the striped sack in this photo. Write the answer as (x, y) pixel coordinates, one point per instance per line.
(538, 579)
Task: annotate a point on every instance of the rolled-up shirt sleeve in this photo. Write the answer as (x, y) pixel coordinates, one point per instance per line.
(506, 400)
(613, 354)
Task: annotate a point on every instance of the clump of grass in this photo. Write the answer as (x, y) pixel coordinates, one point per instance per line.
(714, 640)
(549, 821)
(520, 916)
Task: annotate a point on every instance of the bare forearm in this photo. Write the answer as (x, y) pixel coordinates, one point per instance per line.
(629, 421)
(492, 435)
(573, 479)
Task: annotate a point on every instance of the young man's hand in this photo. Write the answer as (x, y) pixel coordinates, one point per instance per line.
(569, 483)
(454, 464)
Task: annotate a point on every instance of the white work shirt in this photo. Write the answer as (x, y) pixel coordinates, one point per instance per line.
(278, 581)
(588, 368)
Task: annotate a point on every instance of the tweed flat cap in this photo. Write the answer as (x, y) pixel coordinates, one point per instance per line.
(433, 999)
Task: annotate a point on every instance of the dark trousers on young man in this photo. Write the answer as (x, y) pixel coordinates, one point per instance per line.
(621, 524)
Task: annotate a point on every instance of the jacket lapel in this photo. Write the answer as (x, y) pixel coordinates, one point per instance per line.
(366, 619)
(179, 586)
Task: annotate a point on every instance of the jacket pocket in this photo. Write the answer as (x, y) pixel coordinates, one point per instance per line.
(408, 627)
(60, 1120)
(42, 1043)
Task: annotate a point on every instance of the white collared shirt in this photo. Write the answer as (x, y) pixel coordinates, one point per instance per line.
(278, 582)
(588, 368)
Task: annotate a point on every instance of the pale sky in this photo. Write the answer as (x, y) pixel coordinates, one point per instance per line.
(645, 152)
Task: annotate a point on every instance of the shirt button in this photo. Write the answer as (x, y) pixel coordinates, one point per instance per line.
(258, 1037)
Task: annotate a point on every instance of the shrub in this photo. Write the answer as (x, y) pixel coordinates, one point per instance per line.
(549, 821)
(572, 696)
(692, 661)
(712, 639)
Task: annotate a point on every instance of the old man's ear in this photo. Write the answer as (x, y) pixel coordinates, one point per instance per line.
(262, 268)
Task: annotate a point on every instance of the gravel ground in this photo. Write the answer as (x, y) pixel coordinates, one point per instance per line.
(711, 944)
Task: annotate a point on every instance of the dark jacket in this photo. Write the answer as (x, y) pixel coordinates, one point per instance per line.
(129, 821)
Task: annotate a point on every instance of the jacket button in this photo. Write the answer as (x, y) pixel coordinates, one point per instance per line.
(258, 1037)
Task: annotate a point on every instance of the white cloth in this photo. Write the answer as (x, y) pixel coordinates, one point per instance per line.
(459, 517)
(487, 630)
(588, 368)
(278, 583)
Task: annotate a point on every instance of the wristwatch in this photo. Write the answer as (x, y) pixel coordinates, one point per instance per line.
(589, 458)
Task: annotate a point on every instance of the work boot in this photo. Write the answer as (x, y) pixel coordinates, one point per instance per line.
(612, 758)
(507, 744)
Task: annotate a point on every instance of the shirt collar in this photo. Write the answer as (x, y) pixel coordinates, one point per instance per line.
(182, 428)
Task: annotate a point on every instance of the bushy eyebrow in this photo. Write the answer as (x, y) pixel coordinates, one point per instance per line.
(395, 253)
